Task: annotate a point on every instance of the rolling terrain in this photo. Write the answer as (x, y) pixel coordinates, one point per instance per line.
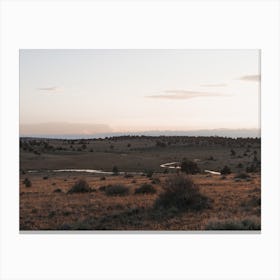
(49, 201)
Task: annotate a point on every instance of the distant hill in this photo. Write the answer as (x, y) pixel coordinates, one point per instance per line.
(233, 133)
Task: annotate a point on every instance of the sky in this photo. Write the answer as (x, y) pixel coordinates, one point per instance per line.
(85, 92)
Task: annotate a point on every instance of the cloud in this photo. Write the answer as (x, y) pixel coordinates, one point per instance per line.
(49, 89)
(183, 94)
(214, 85)
(250, 78)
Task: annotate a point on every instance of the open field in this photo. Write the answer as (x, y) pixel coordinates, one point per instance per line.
(48, 204)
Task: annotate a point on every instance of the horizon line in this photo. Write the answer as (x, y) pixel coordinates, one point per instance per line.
(222, 132)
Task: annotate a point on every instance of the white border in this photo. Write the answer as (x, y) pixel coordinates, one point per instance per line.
(157, 24)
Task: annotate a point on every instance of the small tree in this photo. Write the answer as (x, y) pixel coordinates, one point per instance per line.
(27, 182)
(181, 193)
(115, 170)
(189, 167)
(225, 170)
(149, 173)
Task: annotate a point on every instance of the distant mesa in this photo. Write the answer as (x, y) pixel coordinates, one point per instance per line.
(233, 133)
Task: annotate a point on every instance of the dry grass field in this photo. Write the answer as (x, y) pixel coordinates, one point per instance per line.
(115, 202)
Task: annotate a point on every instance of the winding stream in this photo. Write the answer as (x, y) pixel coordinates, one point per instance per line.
(170, 165)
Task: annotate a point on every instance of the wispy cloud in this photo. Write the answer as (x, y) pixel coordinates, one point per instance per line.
(49, 89)
(183, 94)
(214, 85)
(250, 78)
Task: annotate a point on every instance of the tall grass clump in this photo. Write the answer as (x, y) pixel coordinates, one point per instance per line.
(81, 186)
(181, 193)
(145, 189)
(116, 190)
(27, 182)
(225, 170)
(250, 223)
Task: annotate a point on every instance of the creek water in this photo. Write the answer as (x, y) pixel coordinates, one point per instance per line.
(170, 165)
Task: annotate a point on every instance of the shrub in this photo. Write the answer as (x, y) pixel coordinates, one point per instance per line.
(116, 190)
(254, 201)
(239, 165)
(80, 186)
(160, 144)
(57, 190)
(115, 170)
(155, 181)
(189, 167)
(27, 182)
(182, 193)
(242, 176)
(128, 175)
(103, 178)
(149, 173)
(45, 177)
(252, 168)
(145, 189)
(251, 223)
(225, 170)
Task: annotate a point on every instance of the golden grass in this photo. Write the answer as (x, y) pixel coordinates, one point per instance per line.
(43, 209)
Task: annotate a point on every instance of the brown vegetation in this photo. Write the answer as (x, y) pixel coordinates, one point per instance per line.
(139, 194)
(45, 207)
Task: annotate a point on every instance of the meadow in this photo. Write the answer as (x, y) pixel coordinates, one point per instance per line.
(136, 193)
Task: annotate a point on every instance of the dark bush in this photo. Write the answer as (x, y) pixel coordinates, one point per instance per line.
(149, 173)
(115, 170)
(242, 176)
(45, 177)
(239, 165)
(145, 189)
(251, 223)
(160, 144)
(57, 191)
(80, 186)
(165, 171)
(252, 168)
(116, 190)
(27, 182)
(225, 170)
(128, 175)
(155, 181)
(189, 167)
(103, 178)
(180, 192)
(254, 201)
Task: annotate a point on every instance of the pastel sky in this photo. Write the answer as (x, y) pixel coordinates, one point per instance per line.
(100, 91)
